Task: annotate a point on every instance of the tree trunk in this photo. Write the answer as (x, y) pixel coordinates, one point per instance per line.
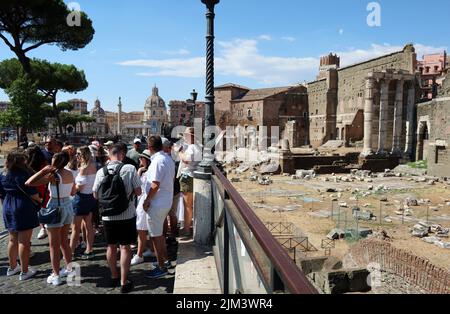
(18, 135)
(58, 118)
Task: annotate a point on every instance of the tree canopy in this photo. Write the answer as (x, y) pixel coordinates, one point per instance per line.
(28, 24)
(48, 79)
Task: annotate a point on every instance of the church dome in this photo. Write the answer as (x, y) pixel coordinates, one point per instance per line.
(98, 110)
(155, 101)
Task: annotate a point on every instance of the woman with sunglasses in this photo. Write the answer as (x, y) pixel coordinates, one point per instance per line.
(84, 203)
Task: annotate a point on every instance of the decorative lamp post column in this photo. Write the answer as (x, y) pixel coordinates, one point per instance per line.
(210, 121)
(203, 196)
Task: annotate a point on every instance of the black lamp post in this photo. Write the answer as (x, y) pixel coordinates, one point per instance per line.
(208, 156)
(190, 104)
(194, 96)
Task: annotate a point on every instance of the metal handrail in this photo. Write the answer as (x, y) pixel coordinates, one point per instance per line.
(293, 278)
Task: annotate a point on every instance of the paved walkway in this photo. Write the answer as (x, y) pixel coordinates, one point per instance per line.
(94, 273)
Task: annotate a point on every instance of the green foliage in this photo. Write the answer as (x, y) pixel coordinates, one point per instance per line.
(28, 24)
(421, 164)
(27, 105)
(49, 78)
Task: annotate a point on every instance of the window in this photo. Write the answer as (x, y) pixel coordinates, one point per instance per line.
(436, 68)
(427, 69)
(249, 113)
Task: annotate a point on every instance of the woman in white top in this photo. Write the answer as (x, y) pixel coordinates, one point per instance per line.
(84, 203)
(141, 215)
(58, 233)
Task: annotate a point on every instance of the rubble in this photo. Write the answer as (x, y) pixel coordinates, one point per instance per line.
(265, 180)
(411, 202)
(301, 174)
(235, 180)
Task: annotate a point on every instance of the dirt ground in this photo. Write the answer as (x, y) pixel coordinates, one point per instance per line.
(306, 204)
(7, 147)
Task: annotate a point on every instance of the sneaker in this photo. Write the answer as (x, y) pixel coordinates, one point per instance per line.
(63, 273)
(167, 265)
(87, 256)
(173, 264)
(54, 280)
(136, 260)
(127, 288)
(11, 272)
(42, 234)
(25, 276)
(158, 273)
(149, 253)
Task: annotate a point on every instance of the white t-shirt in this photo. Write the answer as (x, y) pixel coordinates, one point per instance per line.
(193, 154)
(130, 179)
(162, 170)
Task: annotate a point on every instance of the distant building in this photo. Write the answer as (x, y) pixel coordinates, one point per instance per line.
(80, 106)
(100, 126)
(248, 110)
(4, 105)
(179, 113)
(433, 69)
(155, 114)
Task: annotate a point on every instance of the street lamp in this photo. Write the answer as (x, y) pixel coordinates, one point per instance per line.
(210, 121)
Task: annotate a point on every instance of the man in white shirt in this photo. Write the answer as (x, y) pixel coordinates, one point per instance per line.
(190, 158)
(159, 201)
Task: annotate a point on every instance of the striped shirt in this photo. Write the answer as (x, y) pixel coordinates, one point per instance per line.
(131, 181)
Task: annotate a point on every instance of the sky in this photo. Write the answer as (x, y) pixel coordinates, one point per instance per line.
(259, 43)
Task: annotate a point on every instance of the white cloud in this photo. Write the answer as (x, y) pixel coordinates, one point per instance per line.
(354, 55)
(289, 38)
(179, 52)
(241, 58)
(341, 31)
(265, 37)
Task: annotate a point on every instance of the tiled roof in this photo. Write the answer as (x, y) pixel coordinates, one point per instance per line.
(231, 85)
(259, 94)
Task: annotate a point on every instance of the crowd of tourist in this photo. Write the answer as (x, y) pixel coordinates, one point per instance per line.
(72, 194)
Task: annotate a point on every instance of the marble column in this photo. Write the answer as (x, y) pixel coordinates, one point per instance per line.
(368, 116)
(398, 119)
(384, 107)
(410, 123)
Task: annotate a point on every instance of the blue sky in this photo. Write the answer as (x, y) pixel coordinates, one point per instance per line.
(259, 43)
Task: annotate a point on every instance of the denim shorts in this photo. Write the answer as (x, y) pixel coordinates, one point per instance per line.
(66, 212)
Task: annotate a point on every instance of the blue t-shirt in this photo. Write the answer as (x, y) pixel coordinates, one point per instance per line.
(48, 156)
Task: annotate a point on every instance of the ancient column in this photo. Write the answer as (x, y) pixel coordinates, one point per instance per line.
(384, 106)
(398, 119)
(410, 122)
(368, 116)
(119, 117)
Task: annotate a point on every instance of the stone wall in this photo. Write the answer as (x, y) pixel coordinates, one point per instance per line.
(341, 98)
(416, 270)
(436, 114)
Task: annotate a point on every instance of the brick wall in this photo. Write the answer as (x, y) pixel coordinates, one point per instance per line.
(416, 270)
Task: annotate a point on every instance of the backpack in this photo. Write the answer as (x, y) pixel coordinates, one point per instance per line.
(112, 194)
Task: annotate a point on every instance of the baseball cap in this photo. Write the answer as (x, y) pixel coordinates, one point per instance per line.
(109, 143)
(137, 141)
(166, 142)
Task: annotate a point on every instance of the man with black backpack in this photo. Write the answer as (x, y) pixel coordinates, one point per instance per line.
(116, 187)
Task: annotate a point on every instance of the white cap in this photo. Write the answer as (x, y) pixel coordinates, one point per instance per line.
(137, 141)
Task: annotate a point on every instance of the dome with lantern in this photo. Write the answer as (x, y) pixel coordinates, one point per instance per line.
(98, 110)
(155, 101)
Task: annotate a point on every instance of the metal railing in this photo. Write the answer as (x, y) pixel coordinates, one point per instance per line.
(248, 257)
